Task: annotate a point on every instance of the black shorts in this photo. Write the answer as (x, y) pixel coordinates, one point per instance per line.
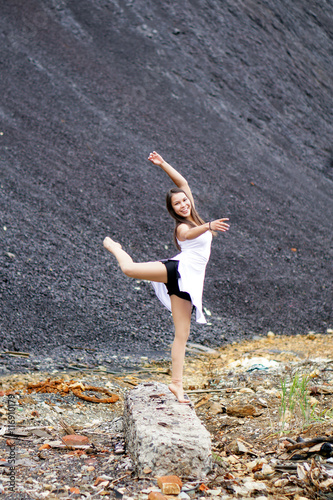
(173, 275)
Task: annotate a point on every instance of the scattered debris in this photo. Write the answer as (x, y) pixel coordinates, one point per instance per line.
(62, 387)
(15, 353)
(68, 447)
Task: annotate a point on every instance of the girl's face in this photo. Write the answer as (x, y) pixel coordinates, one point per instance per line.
(181, 204)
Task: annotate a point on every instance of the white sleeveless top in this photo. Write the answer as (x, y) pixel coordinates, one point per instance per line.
(192, 266)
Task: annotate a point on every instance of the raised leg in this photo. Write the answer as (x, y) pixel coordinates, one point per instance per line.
(181, 314)
(152, 271)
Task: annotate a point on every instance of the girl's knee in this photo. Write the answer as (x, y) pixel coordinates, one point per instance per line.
(182, 334)
(128, 269)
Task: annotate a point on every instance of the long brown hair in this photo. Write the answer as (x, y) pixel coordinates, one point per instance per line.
(198, 221)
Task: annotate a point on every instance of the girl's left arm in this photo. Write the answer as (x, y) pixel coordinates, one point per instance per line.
(184, 232)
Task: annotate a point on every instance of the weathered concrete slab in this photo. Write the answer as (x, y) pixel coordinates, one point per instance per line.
(165, 435)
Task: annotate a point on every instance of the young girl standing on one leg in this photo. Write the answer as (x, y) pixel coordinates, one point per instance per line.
(178, 282)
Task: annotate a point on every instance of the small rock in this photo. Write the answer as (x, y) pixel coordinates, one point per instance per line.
(263, 402)
(100, 480)
(246, 390)
(121, 490)
(119, 448)
(57, 409)
(267, 470)
(270, 335)
(104, 484)
(146, 491)
(45, 446)
(156, 495)
(40, 433)
(311, 336)
(75, 440)
(74, 490)
(10, 255)
(184, 496)
(313, 401)
(241, 447)
(255, 485)
(214, 493)
(256, 465)
(215, 408)
(243, 411)
(280, 483)
(240, 490)
(232, 459)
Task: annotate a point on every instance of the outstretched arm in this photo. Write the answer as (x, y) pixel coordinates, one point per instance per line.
(175, 176)
(186, 233)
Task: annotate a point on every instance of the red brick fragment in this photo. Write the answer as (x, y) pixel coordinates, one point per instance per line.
(170, 485)
(156, 495)
(203, 487)
(75, 440)
(44, 447)
(74, 490)
(98, 480)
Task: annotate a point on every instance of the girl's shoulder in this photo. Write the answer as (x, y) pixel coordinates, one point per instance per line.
(183, 227)
(179, 229)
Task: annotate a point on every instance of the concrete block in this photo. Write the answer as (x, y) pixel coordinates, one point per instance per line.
(165, 435)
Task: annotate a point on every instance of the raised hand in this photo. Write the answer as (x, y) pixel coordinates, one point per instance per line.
(155, 158)
(219, 225)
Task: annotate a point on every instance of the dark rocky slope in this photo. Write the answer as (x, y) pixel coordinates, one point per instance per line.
(237, 95)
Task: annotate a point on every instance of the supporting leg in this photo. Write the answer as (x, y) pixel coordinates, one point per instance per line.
(181, 314)
(152, 271)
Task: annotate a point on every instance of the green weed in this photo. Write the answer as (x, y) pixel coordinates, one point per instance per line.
(295, 402)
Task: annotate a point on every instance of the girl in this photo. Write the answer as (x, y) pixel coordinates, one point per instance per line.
(178, 282)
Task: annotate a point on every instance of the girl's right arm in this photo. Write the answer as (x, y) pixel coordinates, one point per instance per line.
(175, 176)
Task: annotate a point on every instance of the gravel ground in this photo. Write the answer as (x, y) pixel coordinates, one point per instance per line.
(236, 392)
(236, 96)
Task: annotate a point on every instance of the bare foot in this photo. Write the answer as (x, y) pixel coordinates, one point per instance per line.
(178, 391)
(110, 244)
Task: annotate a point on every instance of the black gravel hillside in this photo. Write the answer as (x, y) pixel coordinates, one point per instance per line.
(236, 95)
